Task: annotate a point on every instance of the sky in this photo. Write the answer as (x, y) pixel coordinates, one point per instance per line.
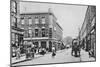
(69, 17)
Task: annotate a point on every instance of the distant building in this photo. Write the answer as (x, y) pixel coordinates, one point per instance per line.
(68, 40)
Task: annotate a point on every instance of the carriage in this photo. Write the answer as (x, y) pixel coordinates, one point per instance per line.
(75, 48)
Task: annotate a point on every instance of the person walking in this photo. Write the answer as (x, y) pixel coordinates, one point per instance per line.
(32, 51)
(53, 51)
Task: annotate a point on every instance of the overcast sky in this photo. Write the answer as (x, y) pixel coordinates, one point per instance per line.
(70, 17)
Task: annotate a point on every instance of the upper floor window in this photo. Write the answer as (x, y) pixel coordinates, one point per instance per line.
(43, 33)
(30, 21)
(43, 20)
(13, 6)
(16, 38)
(36, 20)
(18, 20)
(36, 32)
(22, 21)
(13, 37)
(13, 21)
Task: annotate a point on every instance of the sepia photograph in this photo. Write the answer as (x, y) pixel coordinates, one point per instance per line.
(51, 33)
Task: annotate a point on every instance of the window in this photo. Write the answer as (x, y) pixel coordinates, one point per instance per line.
(13, 6)
(16, 37)
(36, 20)
(13, 37)
(22, 22)
(18, 20)
(13, 21)
(30, 21)
(50, 33)
(30, 33)
(25, 34)
(43, 20)
(43, 32)
(36, 32)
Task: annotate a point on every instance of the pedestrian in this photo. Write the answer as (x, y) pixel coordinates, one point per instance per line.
(53, 51)
(26, 52)
(32, 51)
(18, 53)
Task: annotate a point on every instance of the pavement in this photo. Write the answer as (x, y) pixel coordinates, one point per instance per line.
(85, 56)
(61, 57)
(23, 59)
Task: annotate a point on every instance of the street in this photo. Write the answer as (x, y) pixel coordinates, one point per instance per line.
(61, 56)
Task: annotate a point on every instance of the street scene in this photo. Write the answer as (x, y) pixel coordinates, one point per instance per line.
(50, 33)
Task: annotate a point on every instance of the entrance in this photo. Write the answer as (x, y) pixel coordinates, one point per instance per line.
(43, 44)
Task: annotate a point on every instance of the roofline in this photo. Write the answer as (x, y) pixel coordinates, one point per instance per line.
(38, 13)
(59, 26)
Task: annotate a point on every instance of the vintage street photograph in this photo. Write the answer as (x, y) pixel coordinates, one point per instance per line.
(51, 33)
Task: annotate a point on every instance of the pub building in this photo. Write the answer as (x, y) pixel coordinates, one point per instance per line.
(42, 29)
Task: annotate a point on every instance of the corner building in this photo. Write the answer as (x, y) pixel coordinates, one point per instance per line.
(41, 29)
